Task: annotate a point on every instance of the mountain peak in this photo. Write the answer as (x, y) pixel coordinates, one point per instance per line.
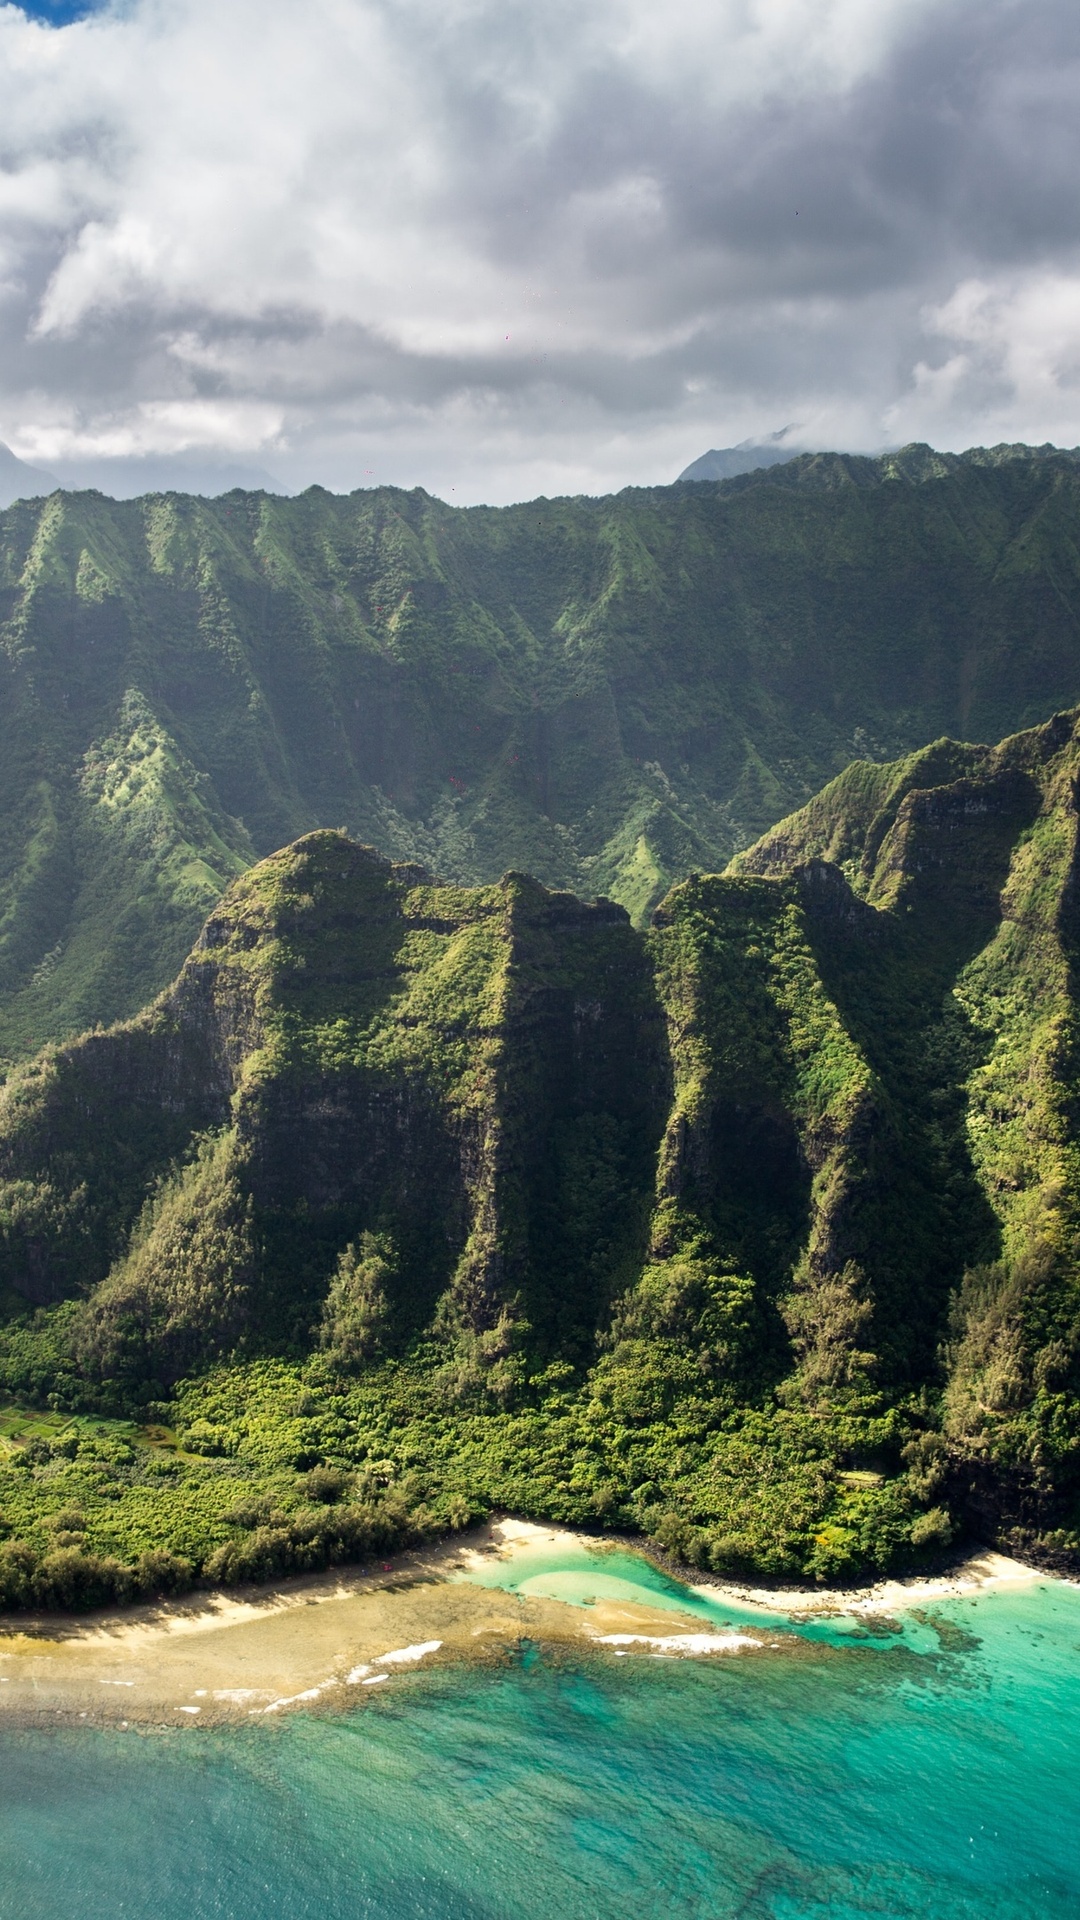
(724, 463)
(19, 480)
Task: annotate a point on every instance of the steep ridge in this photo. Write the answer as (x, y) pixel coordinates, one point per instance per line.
(351, 1049)
(968, 1011)
(609, 694)
(757, 1229)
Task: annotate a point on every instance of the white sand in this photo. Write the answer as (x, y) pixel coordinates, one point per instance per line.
(982, 1573)
(318, 1641)
(688, 1643)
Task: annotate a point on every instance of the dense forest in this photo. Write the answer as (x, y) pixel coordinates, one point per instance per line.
(753, 1230)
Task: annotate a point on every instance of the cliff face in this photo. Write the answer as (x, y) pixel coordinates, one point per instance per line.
(351, 1049)
(966, 1008)
(808, 1144)
(609, 694)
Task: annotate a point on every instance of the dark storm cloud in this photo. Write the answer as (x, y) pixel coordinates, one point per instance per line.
(965, 146)
(537, 246)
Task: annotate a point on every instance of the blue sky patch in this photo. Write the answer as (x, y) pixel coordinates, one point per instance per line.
(59, 13)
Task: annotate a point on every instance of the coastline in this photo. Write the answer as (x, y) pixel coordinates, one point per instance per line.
(982, 1572)
(325, 1641)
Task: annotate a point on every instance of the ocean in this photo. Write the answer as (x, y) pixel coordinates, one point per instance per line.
(926, 1765)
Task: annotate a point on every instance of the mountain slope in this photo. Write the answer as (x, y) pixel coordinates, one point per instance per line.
(723, 463)
(607, 693)
(19, 481)
(370, 1052)
(758, 1229)
(968, 1011)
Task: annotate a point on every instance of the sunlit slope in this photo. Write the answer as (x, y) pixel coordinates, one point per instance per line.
(791, 1177)
(473, 1078)
(609, 694)
(957, 970)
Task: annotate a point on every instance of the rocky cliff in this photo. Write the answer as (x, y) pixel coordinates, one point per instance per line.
(799, 1161)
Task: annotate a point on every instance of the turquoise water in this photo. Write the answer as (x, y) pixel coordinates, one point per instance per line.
(934, 1773)
(579, 1574)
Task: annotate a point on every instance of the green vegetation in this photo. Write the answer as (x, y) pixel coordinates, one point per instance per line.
(755, 1232)
(610, 694)
(117, 1510)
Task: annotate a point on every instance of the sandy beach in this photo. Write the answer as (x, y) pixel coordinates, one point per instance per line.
(323, 1641)
(982, 1572)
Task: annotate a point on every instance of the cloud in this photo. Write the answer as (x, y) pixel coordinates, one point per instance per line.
(499, 248)
(163, 427)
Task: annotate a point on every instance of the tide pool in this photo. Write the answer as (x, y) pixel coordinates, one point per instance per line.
(931, 1772)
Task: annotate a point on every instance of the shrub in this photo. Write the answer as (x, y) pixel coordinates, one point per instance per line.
(932, 1529)
(162, 1572)
(253, 1512)
(205, 1438)
(73, 1580)
(18, 1564)
(325, 1484)
(69, 1520)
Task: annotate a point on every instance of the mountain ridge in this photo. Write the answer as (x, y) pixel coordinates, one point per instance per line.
(756, 1230)
(609, 693)
(19, 480)
(723, 463)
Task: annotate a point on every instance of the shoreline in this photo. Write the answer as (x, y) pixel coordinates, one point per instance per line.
(330, 1640)
(982, 1572)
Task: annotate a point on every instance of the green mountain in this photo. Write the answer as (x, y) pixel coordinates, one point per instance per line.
(609, 694)
(756, 1230)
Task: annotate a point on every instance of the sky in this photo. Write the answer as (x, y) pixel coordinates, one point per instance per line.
(498, 248)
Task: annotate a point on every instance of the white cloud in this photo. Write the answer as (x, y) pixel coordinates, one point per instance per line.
(1011, 357)
(495, 246)
(160, 427)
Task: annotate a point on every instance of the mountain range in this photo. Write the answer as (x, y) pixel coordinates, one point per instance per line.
(755, 1230)
(609, 694)
(367, 1180)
